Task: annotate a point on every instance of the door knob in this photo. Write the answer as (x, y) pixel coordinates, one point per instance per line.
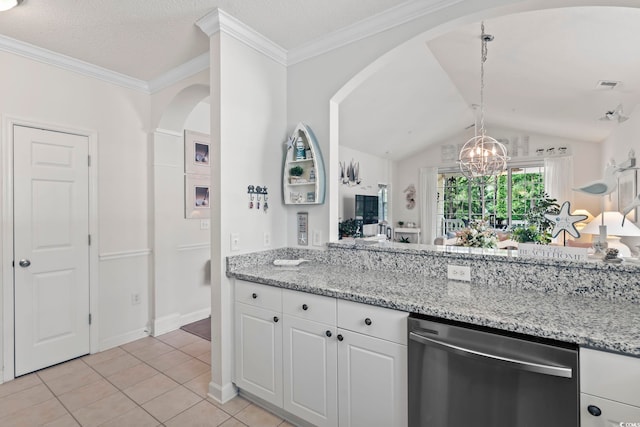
(24, 263)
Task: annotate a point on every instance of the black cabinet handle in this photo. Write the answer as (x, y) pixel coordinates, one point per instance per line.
(305, 307)
(254, 295)
(275, 319)
(367, 321)
(594, 410)
(340, 337)
(328, 333)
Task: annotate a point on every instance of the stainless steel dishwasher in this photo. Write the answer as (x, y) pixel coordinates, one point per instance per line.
(462, 376)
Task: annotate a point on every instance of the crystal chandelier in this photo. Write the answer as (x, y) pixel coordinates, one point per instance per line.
(482, 155)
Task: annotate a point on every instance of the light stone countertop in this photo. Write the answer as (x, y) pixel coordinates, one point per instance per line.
(591, 322)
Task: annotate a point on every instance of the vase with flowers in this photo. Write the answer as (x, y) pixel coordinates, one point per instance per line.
(478, 235)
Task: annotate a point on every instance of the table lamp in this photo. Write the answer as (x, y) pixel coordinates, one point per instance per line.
(610, 223)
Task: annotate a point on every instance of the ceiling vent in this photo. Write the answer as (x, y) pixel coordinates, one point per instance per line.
(608, 84)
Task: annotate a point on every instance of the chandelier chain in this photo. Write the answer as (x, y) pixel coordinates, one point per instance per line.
(483, 59)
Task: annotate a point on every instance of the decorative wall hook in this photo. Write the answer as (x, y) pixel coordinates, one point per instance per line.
(257, 193)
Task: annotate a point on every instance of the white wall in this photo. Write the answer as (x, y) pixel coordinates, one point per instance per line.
(182, 285)
(586, 158)
(248, 117)
(373, 171)
(49, 95)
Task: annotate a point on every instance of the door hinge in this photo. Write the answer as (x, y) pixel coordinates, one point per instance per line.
(88, 160)
(89, 239)
(89, 318)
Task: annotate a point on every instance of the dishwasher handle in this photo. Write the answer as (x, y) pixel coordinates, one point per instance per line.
(556, 371)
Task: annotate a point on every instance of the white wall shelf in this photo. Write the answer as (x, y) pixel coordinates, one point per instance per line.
(312, 190)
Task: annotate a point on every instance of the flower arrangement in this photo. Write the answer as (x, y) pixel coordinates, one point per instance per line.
(478, 235)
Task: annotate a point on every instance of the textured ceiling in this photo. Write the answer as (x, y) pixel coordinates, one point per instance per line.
(146, 38)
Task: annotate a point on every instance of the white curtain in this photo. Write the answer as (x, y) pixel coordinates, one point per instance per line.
(428, 203)
(558, 178)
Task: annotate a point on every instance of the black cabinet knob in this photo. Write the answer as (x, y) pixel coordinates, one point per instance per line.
(367, 321)
(305, 307)
(275, 319)
(328, 333)
(254, 295)
(594, 410)
(340, 337)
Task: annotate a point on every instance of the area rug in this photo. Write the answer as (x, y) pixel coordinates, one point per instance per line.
(201, 328)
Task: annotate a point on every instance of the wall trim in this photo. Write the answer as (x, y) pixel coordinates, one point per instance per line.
(181, 72)
(194, 246)
(220, 21)
(166, 324)
(124, 254)
(368, 27)
(123, 339)
(169, 132)
(222, 394)
(194, 316)
(49, 57)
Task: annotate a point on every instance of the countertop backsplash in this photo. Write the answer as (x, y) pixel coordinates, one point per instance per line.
(498, 268)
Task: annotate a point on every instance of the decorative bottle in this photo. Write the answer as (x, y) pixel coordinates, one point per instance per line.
(300, 153)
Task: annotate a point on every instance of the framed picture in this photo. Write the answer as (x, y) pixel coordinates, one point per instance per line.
(627, 191)
(196, 202)
(197, 153)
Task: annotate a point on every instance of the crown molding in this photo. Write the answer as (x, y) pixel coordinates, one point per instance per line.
(188, 69)
(368, 27)
(48, 57)
(220, 21)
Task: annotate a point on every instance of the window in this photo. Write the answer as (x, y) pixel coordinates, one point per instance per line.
(503, 200)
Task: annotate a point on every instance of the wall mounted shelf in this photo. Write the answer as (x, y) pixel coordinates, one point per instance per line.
(307, 188)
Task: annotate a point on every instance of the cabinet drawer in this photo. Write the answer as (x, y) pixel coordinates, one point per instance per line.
(309, 306)
(259, 295)
(390, 325)
(612, 413)
(609, 375)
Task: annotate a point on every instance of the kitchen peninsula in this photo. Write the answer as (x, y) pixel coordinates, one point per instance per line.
(592, 306)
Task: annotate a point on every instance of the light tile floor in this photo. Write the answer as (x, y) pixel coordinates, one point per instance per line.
(159, 381)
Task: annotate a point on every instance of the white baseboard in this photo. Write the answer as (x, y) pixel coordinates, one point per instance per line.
(174, 321)
(166, 324)
(222, 394)
(122, 339)
(195, 316)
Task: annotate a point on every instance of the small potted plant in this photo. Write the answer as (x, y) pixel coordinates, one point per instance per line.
(295, 173)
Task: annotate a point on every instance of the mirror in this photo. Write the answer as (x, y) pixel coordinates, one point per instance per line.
(550, 80)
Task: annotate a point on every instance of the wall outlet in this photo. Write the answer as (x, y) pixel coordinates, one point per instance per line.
(204, 224)
(235, 241)
(459, 272)
(135, 299)
(267, 238)
(316, 238)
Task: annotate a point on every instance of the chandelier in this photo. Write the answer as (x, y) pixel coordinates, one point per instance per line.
(482, 155)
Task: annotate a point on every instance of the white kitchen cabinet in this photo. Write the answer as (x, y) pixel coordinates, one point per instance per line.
(610, 389)
(258, 352)
(372, 366)
(310, 371)
(340, 363)
(372, 381)
(310, 357)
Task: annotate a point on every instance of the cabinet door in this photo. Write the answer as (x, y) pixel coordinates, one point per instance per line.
(258, 358)
(310, 371)
(613, 414)
(372, 381)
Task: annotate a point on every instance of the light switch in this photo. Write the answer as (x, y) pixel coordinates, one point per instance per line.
(204, 224)
(235, 241)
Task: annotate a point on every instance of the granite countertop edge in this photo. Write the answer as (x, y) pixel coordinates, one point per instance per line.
(586, 326)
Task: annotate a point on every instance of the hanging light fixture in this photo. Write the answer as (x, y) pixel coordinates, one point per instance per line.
(482, 155)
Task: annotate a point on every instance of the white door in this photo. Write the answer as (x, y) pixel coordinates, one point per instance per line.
(372, 381)
(51, 248)
(310, 371)
(258, 355)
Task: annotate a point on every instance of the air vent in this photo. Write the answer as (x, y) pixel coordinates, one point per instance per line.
(608, 84)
